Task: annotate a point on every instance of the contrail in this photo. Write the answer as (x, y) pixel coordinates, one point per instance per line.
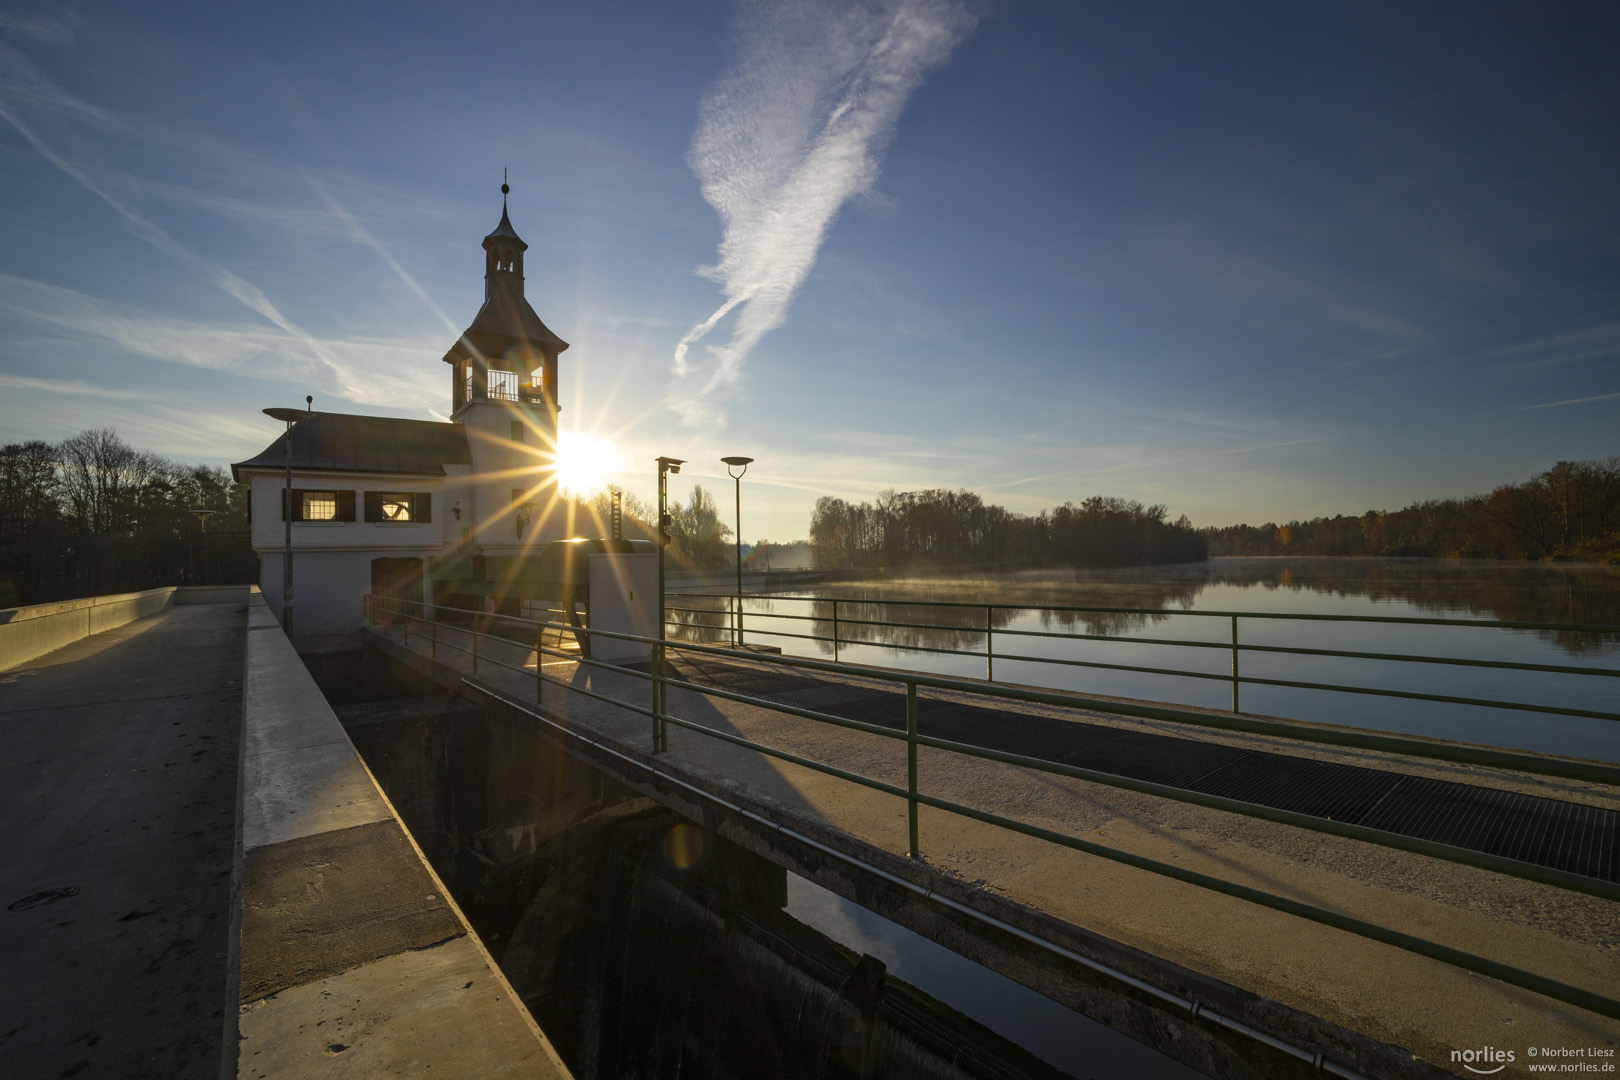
(786, 136)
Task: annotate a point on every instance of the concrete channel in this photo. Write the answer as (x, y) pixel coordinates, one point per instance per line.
(1051, 918)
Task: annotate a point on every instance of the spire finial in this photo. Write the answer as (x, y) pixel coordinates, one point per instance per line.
(505, 190)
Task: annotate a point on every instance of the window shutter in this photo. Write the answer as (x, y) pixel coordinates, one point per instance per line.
(422, 506)
(374, 506)
(297, 504)
(345, 506)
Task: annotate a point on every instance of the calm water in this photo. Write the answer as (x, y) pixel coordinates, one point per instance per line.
(1586, 595)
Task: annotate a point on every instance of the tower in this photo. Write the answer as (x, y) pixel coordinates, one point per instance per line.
(507, 355)
(504, 392)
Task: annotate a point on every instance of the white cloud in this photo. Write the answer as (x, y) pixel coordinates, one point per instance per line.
(791, 132)
(370, 371)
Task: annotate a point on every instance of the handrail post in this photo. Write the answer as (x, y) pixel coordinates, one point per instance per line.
(1234, 664)
(539, 659)
(989, 654)
(475, 634)
(433, 622)
(660, 697)
(911, 764)
(835, 630)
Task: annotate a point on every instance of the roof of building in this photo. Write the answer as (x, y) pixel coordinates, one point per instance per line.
(504, 229)
(341, 442)
(505, 315)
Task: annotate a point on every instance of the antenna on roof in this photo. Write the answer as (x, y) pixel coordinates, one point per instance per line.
(505, 190)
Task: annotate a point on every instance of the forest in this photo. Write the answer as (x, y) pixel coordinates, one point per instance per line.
(939, 528)
(92, 515)
(1570, 512)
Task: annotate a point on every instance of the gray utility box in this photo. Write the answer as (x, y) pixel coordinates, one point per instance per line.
(624, 600)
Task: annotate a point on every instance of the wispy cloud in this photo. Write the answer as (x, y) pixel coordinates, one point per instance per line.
(365, 371)
(789, 134)
(371, 371)
(1570, 401)
(172, 422)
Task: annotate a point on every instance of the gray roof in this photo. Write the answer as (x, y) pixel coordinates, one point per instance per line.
(508, 316)
(340, 442)
(504, 229)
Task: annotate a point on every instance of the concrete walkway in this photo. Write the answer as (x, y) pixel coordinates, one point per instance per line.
(200, 877)
(118, 788)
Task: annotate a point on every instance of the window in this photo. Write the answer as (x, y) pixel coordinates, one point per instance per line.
(314, 505)
(504, 385)
(399, 507)
(396, 506)
(320, 506)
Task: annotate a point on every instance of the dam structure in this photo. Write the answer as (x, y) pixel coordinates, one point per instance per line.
(475, 850)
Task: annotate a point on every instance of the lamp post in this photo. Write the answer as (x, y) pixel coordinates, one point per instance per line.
(666, 465)
(738, 463)
(202, 523)
(291, 417)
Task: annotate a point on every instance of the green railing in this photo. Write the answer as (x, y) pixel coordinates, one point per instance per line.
(416, 621)
(730, 621)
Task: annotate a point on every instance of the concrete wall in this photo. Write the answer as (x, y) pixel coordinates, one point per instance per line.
(354, 959)
(30, 632)
(212, 594)
(328, 587)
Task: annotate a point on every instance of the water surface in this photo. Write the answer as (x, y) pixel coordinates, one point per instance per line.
(1179, 603)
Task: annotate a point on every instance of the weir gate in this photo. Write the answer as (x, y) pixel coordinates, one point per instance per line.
(1243, 895)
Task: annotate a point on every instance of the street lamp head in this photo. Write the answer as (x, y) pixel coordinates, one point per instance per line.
(737, 460)
(291, 416)
(736, 463)
(670, 464)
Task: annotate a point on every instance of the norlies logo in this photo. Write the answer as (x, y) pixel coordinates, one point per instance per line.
(1485, 1055)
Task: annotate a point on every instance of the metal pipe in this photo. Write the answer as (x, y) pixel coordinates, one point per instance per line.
(1235, 665)
(287, 550)
(911, 764)
(989, 644)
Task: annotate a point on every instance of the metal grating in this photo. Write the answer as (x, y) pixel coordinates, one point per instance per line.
(1548, 832)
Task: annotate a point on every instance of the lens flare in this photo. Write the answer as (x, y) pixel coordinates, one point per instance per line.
(683, 846)
(584, 463)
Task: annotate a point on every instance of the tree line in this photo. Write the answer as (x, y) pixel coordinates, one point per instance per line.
(1571, 511)
(939, 527)
(698, 538)
(92, 515)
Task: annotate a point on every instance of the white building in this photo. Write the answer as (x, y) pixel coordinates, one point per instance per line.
(443, 513)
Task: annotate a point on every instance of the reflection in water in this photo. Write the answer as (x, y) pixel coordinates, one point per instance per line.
(1511, 592)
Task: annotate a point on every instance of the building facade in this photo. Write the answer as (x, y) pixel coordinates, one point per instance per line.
(447, 513)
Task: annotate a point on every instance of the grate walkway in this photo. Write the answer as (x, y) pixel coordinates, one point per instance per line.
(1554, 833)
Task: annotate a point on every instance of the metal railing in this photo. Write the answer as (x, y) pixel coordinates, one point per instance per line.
(417, 620)
(840, 621)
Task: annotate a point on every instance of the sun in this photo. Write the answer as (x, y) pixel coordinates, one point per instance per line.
(584, 463)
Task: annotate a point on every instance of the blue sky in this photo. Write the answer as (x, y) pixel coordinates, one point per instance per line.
(1253, 261)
